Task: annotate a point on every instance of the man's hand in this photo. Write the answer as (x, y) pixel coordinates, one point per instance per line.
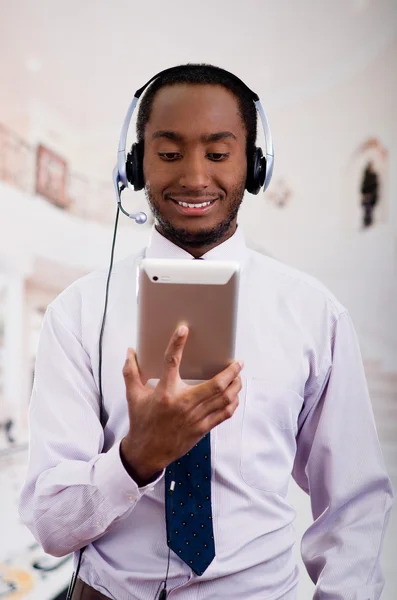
(166, 422)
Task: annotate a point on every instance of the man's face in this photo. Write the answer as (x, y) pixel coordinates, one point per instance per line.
(195, 153)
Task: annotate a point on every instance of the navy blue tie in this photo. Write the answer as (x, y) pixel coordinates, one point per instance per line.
(190, 532)
(188, 507)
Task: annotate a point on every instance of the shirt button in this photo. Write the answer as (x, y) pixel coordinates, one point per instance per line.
(131, 498)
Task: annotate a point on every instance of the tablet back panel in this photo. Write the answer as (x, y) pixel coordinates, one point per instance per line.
(207, 304)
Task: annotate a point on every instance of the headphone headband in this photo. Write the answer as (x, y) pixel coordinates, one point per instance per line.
(179, 68)
(120, 179)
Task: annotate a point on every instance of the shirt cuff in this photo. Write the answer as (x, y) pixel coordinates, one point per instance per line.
(114, 483)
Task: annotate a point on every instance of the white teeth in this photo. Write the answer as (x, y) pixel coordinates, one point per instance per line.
(186, 205)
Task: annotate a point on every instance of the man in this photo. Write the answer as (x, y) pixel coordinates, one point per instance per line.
(298, 405)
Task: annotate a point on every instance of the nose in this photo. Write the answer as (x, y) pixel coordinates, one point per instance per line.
(194, 172)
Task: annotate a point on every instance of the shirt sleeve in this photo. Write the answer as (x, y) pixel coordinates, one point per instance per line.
(73, 493)
(339, 463)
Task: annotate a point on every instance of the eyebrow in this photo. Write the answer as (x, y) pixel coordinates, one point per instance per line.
(177, 137)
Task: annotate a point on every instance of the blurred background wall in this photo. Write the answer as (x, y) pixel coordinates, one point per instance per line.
(326, 74)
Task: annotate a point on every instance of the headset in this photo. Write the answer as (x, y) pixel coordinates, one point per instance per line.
(128, 172)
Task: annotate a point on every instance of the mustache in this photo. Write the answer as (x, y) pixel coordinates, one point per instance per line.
(192, 194)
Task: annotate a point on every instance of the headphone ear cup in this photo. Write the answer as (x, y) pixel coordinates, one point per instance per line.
(256, 172)
(134, 166)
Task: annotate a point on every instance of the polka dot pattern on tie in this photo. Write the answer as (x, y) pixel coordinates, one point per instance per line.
(188, 507)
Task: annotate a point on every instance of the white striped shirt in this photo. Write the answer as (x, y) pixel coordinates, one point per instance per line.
(304, 409)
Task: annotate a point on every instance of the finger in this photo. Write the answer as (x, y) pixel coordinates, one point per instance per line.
(220, 402)
(131, 370)
(218, 417)
(173, 354)
(218, 384)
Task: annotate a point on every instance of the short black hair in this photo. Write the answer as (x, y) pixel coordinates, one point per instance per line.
(201, 74)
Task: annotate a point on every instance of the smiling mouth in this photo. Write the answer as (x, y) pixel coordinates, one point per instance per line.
(192, 201)
(194, 204)
(193, 208)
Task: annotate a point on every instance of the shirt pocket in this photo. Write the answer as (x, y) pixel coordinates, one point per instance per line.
(268, 440)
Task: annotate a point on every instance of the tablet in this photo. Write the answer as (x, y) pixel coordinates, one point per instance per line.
(200, 294)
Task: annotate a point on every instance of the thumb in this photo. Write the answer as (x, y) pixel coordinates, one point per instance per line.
(173, 355)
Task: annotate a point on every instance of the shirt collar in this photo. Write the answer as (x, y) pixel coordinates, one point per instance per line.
(233, 248)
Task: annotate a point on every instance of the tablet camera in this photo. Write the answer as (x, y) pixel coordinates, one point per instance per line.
(155, 278)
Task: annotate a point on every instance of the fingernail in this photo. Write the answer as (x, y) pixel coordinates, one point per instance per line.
(241, 363)
(182, 330)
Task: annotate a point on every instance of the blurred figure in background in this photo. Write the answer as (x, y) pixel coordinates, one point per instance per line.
(370, 194)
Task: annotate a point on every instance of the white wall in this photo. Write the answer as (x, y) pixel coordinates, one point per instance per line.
(32, 228)
(319, 231)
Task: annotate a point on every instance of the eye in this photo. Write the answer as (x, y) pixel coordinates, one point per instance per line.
(217, 156)
(169, 156)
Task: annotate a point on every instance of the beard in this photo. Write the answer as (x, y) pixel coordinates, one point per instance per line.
(202, 237)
